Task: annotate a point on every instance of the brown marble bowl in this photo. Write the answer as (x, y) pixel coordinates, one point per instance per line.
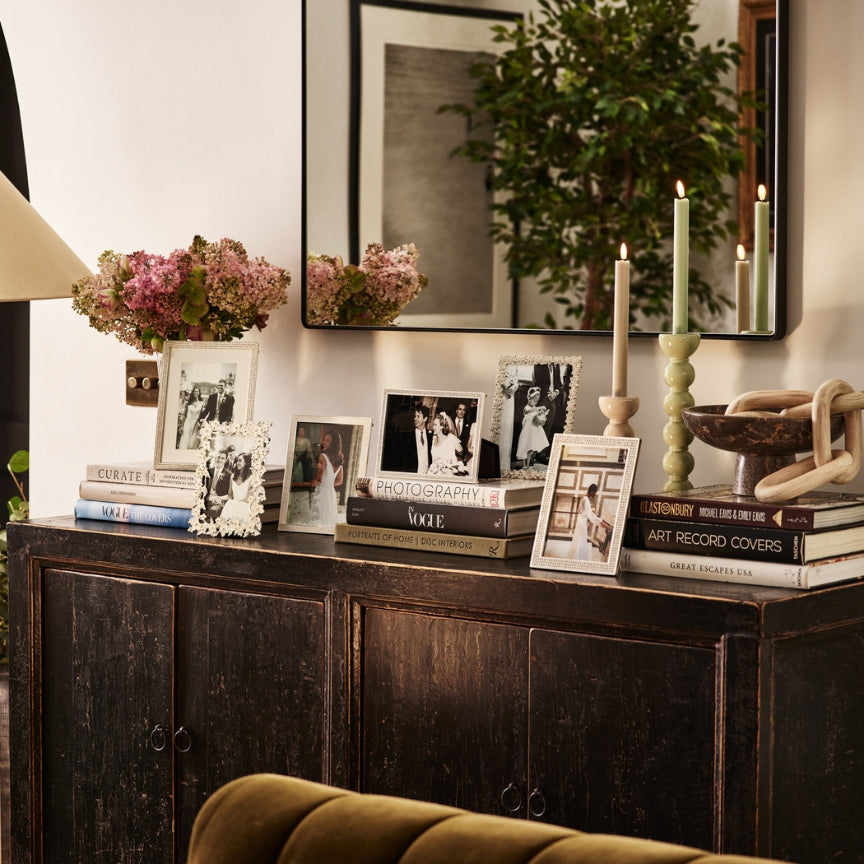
(763, 444)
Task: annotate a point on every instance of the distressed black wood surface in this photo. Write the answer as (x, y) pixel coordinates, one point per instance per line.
(676, 709)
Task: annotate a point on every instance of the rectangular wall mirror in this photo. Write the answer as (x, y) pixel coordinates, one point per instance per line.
(379, 164)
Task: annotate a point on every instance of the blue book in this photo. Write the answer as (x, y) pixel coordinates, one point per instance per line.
(140, 514)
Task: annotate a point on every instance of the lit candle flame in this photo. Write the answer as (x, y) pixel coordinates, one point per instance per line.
(623, 251)
(762, 192)
(740, 252)
(680, 187)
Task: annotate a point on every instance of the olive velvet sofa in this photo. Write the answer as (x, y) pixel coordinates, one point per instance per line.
(274, 819)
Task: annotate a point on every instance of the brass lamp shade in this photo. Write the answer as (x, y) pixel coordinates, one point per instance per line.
(35, 264)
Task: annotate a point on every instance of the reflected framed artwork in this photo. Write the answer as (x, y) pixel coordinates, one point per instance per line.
(585, 504)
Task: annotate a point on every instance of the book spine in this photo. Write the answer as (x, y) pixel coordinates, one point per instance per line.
(139, 475)
(371, 535)
(658, 563)
(140, 514)
(754, 514)
(422, 516)
(131, 493)
(724, 541)
(433, 492)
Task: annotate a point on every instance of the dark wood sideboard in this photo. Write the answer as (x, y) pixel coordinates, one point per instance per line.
(149, 666)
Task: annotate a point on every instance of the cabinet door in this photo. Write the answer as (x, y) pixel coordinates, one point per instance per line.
(444, 708)
(108, 688)
(622, 736)
(251, 692)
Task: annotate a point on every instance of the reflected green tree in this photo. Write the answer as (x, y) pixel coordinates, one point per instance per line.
(599, 108)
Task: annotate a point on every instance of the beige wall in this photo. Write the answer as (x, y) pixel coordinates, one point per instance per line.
(146, 125)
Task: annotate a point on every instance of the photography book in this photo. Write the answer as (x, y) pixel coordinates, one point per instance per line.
(718, 504)
(743, 541)
(502, 493)
(773, 574)
(428, 541)
(441, 518)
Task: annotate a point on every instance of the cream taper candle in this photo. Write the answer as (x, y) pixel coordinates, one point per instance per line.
(742, 290)
(760, 259)
(680, 262)
(621, 324)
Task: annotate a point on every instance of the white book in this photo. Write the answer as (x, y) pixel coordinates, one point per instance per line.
(503, 493)
(828, 571)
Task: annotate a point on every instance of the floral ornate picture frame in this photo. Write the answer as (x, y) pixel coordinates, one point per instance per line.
(585, 503)
(315, 493)
(230, 479)
(200, 381)
(436, 433)
(535, 399)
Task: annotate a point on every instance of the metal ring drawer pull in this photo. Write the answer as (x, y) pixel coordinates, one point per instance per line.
(537, 798)
(158, 738)
(511, 799)
(182, 740)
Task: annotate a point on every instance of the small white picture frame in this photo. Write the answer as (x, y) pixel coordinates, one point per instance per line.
(436, 433)
(585, 504)
(325, 457)
(524, 431)
(230, 479)
(201, 381)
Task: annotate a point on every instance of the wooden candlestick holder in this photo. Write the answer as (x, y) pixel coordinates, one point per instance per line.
(679, 375)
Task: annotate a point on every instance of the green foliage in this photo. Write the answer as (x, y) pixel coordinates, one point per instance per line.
(598, 108)
(19, 510)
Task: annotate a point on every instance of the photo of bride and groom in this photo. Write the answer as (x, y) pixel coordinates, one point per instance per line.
(434, 434)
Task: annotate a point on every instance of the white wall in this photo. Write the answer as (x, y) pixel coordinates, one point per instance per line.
(147, 124)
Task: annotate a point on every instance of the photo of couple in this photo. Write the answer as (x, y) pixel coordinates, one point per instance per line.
(201, 400)
(230, 472)
(436, 434)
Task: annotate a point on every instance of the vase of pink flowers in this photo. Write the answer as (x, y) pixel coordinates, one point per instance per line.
(371, 293)
(207, 292)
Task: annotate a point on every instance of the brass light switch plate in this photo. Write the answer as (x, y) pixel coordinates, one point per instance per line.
(142, 382)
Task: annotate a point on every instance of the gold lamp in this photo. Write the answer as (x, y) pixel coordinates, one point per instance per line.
(35, 264)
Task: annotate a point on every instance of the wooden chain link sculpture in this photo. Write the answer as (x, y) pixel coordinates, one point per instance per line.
(825, 465)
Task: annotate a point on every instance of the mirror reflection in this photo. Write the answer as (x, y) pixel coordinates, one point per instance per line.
(398, 152)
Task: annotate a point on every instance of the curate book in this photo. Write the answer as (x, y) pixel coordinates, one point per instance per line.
(144, 474)
(829, 571)
(718, 504)
(502, 493)
(743, 541)
(429, 541)
(443, 518)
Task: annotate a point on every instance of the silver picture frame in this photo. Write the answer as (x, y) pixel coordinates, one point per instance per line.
(585, 503)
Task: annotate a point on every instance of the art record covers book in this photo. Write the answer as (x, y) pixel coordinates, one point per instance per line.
(743, 541)
(501, 493)
(443, 518)
(829, 571)
(720, 505)
(428, 541)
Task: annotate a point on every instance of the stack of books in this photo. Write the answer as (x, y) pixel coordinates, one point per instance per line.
(711, 533)
(491, 518)
(139, 493)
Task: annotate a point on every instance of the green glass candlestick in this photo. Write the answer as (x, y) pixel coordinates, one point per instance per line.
(679, 375)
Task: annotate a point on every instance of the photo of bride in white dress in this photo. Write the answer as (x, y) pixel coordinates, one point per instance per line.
(337, 448)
